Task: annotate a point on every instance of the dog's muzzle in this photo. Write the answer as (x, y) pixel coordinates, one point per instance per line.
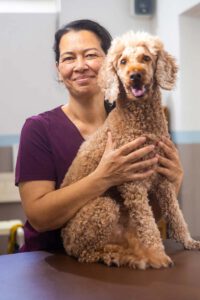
(138, 89)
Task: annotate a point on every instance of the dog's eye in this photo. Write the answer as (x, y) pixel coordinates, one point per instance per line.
(146, 58)
(123, 61)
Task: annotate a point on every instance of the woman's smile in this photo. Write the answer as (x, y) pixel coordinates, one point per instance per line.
(84, 79)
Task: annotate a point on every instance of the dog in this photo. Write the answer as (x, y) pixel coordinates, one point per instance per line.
(122, 230)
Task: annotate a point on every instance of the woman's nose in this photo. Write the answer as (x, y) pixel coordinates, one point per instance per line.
(80, 64)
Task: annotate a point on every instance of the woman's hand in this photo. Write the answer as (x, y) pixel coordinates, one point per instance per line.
(170, 165)
(124, 164)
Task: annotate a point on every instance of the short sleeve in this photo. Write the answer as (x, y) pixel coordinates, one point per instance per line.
(35, 159)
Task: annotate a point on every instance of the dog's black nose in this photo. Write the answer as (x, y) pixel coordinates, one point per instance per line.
(136, 76)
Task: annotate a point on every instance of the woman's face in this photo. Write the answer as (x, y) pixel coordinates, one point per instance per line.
(81, 57)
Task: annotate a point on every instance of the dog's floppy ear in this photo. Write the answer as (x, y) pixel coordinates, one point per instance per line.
(166, 70)
(108, 79)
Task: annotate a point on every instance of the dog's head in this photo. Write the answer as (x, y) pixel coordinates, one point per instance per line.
(135, 63)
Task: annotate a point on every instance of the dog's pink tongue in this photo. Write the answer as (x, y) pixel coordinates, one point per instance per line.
(138, 92)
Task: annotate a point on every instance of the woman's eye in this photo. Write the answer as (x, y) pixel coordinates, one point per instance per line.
(68, 59)
(91, 55)
(146, 58)
(123, 61)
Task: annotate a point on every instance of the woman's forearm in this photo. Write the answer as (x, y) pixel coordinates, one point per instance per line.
(55, 208)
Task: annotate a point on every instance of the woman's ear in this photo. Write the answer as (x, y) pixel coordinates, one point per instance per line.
(108, 80)
(60, 79)
(166, 70)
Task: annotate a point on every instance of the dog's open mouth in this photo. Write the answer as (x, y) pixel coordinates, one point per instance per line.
(138, 91)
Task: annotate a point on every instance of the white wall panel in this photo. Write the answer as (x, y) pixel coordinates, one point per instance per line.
(27, 74)
(115, 15)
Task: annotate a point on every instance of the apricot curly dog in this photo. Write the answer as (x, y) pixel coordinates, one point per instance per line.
(124, 232)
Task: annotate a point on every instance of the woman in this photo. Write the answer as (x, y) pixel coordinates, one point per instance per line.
(49, 142)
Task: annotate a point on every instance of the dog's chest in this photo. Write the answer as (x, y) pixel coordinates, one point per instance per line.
(151, 139)
(126, 127)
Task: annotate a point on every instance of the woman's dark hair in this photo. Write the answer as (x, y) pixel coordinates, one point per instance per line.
(103, 35)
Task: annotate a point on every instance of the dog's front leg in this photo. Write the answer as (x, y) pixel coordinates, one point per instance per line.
(166, 194)
(143, 226)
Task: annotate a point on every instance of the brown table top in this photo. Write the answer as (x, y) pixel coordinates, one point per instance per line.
(44, 275)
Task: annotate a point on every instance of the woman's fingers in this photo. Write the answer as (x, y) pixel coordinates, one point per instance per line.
(165, 172)
(140, 153)
(168, 151)
(131, 146)
(165, 162)
(125, 163)
(169, 148)
(139, 166)
(170, 164)
(168, 142)
(129, 162)
(143, 175)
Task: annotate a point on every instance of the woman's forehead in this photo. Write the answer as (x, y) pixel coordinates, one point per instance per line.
(74, 40)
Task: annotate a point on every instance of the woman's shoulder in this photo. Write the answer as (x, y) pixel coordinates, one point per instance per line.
(45, 116)
(37, 127)
(42, 120)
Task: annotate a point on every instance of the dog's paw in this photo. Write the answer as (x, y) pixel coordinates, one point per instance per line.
(135, 263)
(192, 245)
(159, 260)
(112, 260)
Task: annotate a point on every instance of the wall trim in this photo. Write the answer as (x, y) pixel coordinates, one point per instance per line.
(186, 137)
(179, 137)
(9, 140)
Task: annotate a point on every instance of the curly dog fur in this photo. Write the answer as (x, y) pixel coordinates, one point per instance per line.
(122, 230)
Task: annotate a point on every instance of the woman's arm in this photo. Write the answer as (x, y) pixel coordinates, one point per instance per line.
(48, 209)
(170, 165)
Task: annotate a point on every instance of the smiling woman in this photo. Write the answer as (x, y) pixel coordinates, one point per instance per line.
(50, 141)
(81, 57)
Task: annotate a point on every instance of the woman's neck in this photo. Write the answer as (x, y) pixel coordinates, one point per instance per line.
(88, 114)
